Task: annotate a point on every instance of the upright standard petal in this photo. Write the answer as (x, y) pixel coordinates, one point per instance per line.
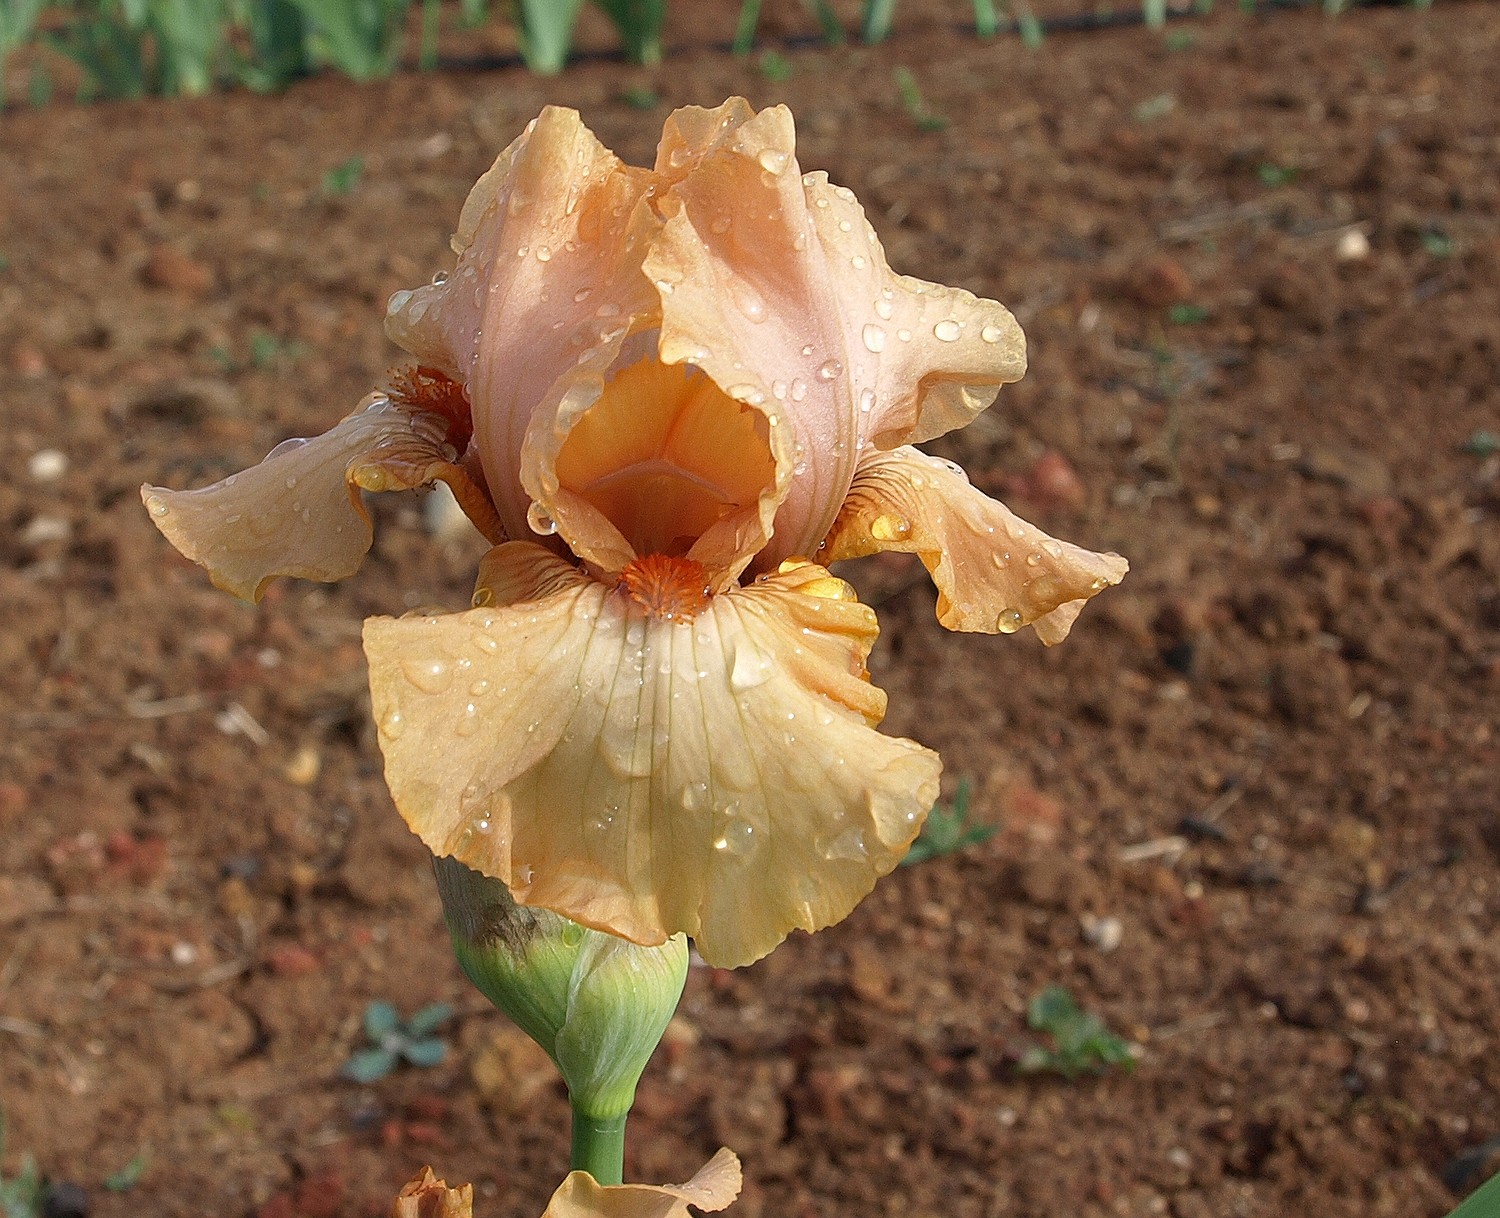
(647, 759)
(775, 284)
(299, 511)
(714, 1187)
(994, 572)
(548, 285)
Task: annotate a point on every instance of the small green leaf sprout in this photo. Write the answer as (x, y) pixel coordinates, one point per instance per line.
(392, 1041)
(948, 830)
(22, 1195)
(926, 118)
(1081, 1043)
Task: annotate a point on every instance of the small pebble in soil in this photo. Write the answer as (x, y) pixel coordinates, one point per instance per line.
(48, 465)
(1105, 933)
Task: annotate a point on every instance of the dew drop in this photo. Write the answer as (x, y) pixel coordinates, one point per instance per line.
(481, 598)
(157, 506)
(468, 722)
(750, 302)
(807, 348)
(544, 253)
(439, 278)
(991, 334)
(829, 369)
(431, 676)
(694, 797)
(393, 724)
(884, 309)
(850, 844)
(539, 520)
(751, 667)
(778, 390)
(1053, 547)
(582, 294)
(858, 262)
(904, 334)
(773, 160)
(947, 331)
(874, 338)
(1009, 621)
(799, 389)
(1033, 559)
(890, 528)
(738, 837)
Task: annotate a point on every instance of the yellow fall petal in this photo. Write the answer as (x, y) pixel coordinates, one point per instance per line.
(646, 765)
(299, 512)
(716, 1184)
(994, 572)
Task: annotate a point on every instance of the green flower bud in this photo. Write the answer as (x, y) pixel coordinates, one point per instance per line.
(598, 1004)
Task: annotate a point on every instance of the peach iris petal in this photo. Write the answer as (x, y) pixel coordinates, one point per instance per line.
(775, 284)
(548, 285)
(994, 572)
(299, 511)
(428, 1197)
(673, 465)
(645, 775)
(713, 1188)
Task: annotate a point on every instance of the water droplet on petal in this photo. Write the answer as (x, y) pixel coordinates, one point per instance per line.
(582, 294)
(866, 401)
(884, 309)
(773, 160)
(431, 675)
(947, 331)
(157, 506)
(890, 528)
(544, 253)
(393, 724)
(750, 302)
(539, 520)
(829, 369)
(751, 666)
(439, 278)
(1009, 621)
(799, 389)
(991, 334)
(874, 338)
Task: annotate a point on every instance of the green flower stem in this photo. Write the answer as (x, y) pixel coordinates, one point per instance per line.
(599, 1146)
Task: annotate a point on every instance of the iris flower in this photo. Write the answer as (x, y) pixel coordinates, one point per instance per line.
(713, 1188)
(670, 398)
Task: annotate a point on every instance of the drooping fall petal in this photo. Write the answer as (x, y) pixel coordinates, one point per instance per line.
(775, 284)
(299, 511)
(713, 1188)
(645, 759)
(994, 572)
(547, 287)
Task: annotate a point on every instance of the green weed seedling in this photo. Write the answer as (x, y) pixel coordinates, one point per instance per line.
(641, 98)
(775, 66)
(1081, 1043)
(1481, 444)
(926, 118)
(360, 38)
(948, 830)
(639, 23)
(344, 177)
(127, 1177)
(23, 1194)
(393, 1041)
(1271, 174)
(17, 21)
(1436, 242)
(546, 28)
(1187, 315)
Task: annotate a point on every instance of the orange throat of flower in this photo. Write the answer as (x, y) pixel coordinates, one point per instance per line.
(676, 589)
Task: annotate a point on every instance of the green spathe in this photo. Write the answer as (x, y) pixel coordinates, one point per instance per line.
(598, 1004)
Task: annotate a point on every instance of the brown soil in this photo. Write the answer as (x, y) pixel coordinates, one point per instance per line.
(1272, 754)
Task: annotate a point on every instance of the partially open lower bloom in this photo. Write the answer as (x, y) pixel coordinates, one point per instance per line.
(670, 397)
(713, 1188)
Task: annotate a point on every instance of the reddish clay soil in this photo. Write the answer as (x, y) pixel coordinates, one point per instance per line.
(1272, 754)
